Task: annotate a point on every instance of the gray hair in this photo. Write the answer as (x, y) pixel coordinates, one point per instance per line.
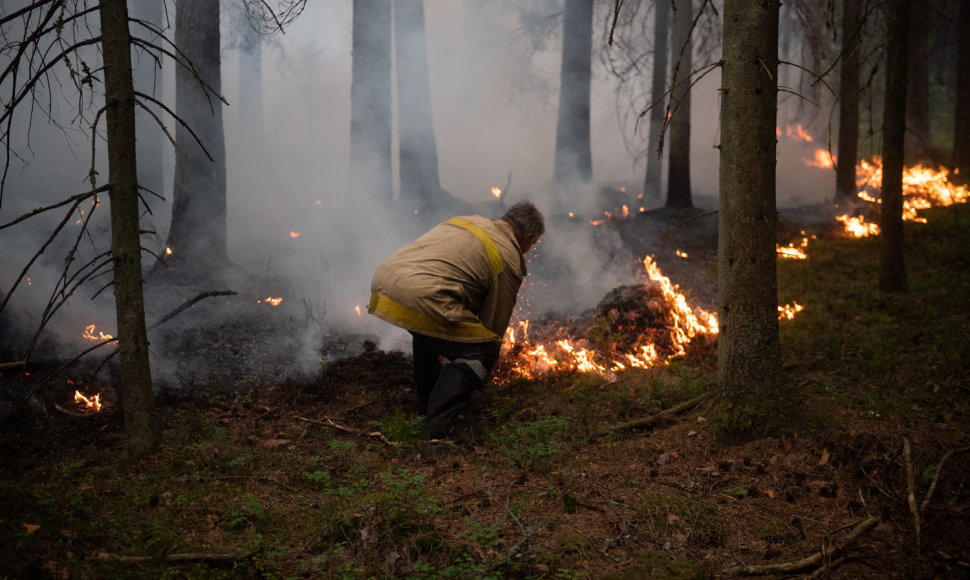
(527, 218)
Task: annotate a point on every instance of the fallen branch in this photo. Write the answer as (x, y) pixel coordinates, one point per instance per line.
(816, 559)
(188, 303)
(911, 491)
(12, 365)
(936, 476)
(327, 422)
(661, 417)
(201, 557)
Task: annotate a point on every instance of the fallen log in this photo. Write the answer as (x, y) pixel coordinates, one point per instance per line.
(813, 561)
(661, 417)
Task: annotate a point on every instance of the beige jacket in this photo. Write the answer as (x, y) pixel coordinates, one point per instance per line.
(459, 281)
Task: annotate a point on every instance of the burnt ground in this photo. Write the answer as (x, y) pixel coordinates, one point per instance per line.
(670, 501)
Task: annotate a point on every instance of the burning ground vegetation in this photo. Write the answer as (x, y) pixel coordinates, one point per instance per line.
(576, 461)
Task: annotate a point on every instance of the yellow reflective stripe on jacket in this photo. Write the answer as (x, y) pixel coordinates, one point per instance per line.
(384, 307)
(494, 256)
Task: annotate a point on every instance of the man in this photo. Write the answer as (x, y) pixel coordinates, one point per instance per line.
(454, 290)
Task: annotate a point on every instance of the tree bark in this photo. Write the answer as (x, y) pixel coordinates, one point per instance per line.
(917, 136)
(678, 172)
(892, 273)
(141, 422)
(658, 85)
(749, 367)
(418, 154)
(961, 128)
(574, 160)
(198, 236)
(370, 100)
(848, 148)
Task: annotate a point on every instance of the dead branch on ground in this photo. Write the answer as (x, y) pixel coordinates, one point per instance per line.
(816, 559)
(658, 418)
(190, 302)
(328, 422)
(200, 557)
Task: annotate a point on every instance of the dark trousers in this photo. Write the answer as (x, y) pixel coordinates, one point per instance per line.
(446, 373)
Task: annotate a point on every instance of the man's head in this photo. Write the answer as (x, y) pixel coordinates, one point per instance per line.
(527, 222)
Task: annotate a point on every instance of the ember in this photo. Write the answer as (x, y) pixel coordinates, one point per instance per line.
(497, 192)
(294, 235)
(788, 311)
(271, 301)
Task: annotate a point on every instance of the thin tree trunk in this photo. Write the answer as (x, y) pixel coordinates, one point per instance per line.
(658, 85)
(678, 173)
(198, 236)
(141, 422)
(370, 100)
(848, 152)
(961, 128)
(574, 160)
(749, 358)
(418, 162)
(892, 274)
(917, 139)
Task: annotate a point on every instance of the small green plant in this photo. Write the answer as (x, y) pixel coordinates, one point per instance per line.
(536, 442)
(400, 428)
(248, 514)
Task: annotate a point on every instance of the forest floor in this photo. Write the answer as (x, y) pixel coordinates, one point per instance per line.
(326, 476)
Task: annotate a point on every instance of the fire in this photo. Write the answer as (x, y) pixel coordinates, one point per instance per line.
(923, 188)
(798, 133)
(89, 334)
(294, 235)
(788, 311)
(168, 251)
(823, 159)
(271, 301)
(357, 309)
(680, 254)
(93, 403)
(685, 324)
(794, 253)
(497, 192)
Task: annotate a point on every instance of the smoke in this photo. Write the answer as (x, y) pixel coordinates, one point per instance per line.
(294, 219)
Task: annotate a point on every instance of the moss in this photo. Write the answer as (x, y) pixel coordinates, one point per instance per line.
(657, 566)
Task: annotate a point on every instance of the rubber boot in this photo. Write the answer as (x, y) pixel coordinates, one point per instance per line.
(451, 393)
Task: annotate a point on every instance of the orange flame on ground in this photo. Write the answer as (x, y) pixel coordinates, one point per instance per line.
(794, 253)
(357, 309)
(271, 301)
(294, 235)
(497, 192)
(798, 133)
(923, 188)
(788, 311)
(680, 254)
(568, 355)
(89, 403)
(89, 334)
(823, 159)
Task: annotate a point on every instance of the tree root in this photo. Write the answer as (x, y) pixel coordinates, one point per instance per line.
(813, 561)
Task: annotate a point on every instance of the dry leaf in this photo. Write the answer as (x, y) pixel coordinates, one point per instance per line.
(271, 443)
(825, 457)
(770, 493)
(31, 528)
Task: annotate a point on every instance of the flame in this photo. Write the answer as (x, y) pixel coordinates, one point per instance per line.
(271, 301)
(357, 309)
(497, 192)
(568, 354)
(798, 133)
(168, 251)
(788, 311)
(923, 188)
(680, 254)
(89, 334)
(89, 403)
(823, 159)
(294, 235)
(794, 253)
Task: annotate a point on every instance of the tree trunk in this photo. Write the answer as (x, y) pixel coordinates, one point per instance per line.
(917, 139)
(678, 173)
(370, 100)
(574, 160)
(961, 129)
(148, 79)
(892, 274)
(749, 367)
(418, 154)
(848, 151)
(198, 238)
(658, 85)
(141, 422)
